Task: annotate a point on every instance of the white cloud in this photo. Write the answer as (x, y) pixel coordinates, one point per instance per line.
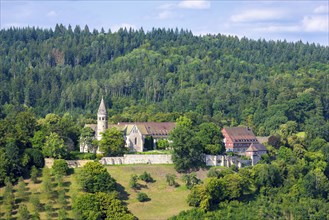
(323, 9)
(52, 14)
(316, 23)
(164, 15)
(202, 4)
(167, 6)
(278, 28)
(257, 15)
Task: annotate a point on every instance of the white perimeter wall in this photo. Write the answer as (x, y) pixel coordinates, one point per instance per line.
(138, 159)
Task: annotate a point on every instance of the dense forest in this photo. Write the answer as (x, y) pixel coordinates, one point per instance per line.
(51, 83)
(160, 74)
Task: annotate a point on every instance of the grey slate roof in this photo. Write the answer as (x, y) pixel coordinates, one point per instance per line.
(255, 147)
(102, 108)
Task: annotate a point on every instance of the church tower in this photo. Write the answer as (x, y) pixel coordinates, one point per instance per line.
(101, 120)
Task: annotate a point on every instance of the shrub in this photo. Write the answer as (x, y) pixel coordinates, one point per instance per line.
(163, 144)
(133, 182)
(191, 180)
(99, 156)
(76, 155)
(60, 167)
(146, 177)
(170, 179)
(214, 172)
(142, 197)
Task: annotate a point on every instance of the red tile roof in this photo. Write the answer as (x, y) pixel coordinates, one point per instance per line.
(155, 129)
(240, 134)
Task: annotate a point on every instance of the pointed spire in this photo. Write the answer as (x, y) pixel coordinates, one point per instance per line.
(102, 108)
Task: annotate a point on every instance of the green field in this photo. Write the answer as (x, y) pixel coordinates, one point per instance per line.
(165, 200)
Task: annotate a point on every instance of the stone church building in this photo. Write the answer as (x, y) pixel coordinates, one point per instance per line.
(135, 133)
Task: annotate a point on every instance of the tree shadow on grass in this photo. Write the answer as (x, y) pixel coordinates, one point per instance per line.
(67, 184)
(123, 195)
(70, 171)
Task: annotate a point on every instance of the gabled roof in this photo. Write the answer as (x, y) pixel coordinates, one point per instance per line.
(102, 108)
(240, 134)
(155, 129)
(255, 147)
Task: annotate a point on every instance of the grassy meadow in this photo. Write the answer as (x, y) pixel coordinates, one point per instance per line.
(165, 201)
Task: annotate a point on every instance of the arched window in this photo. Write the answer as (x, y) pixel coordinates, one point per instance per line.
(135, 140)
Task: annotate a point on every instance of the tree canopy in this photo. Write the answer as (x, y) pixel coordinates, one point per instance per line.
(93, 177)
(112, 143)
(160, 74)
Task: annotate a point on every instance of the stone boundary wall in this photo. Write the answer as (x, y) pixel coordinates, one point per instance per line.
(138, 159)
(226, 161)
(211, 160)
(49, 162)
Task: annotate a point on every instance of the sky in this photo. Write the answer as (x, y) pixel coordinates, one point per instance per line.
(270, 20)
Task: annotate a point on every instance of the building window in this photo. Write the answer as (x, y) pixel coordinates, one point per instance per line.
(102, 118)
(135, 141)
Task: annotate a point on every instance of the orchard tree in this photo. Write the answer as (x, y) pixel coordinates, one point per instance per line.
(187, 148)
(35, 201)
(112, 142)
(23, 212)
(34, 174)
(21, 189)
(47, 188)
(60, 167)
(8, 199)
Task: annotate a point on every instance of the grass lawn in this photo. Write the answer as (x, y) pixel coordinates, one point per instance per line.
(165, 202)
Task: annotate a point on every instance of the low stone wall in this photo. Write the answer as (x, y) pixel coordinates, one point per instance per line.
(211, 160)
(138, 159)
(226, 161)
(49, 162)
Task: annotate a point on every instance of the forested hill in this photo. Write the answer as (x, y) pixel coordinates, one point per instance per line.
(160, 74)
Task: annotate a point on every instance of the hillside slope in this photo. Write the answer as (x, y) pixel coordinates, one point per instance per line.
(158, 75)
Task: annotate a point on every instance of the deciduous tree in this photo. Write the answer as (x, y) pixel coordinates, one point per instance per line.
(112, 142)
(94, 177)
